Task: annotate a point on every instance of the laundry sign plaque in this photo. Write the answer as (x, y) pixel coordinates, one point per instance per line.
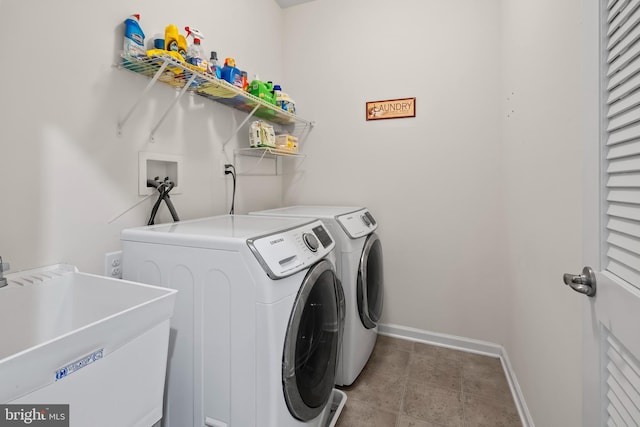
(391, 109)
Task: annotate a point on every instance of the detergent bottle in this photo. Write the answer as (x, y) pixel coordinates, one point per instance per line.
(195, 53)
(230, 73)
(133, 37)
(269, 86)
(277, 92)
(262, 90)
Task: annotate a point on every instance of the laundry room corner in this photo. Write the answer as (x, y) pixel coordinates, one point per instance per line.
(433, 181)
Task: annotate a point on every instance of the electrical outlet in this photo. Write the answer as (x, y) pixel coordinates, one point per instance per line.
(113, 264)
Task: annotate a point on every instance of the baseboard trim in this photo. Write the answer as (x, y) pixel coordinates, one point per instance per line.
(469, 345)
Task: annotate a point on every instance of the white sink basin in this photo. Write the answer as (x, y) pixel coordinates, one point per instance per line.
(75, 338)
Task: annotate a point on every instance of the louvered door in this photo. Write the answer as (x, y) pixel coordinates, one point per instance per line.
(621, 45)
(611, 212)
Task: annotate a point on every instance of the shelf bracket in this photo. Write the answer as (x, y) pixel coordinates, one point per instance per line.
(307, 131)
(146, 90)
(259, 161)
(173, 103)
(235, 132)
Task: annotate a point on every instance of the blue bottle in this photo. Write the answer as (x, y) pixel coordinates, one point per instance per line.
(133, 37)
(230, 73)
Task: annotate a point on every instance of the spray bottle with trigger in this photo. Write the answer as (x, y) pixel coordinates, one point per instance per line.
(195, 53)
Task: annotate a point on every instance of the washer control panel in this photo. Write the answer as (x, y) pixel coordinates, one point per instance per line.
(287, 252)
(357, 224)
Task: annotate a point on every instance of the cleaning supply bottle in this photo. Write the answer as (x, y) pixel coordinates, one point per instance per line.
(182, 46)
(214, 68)
(195, 53)
(245, 81)
(172, 45)
(230, 73)
(270, 89)
(262, 90)
(171, 38)
(158, 41)
(277, 92)
(283, 100)
(133, 37)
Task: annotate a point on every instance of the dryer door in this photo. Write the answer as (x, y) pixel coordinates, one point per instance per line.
(370, 286)
(311, 343)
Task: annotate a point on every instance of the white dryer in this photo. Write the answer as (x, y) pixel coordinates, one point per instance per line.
(359, 267)
(257, 323)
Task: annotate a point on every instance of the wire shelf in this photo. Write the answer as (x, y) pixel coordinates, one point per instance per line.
(262, 153)
(178, 74)
(267, 152)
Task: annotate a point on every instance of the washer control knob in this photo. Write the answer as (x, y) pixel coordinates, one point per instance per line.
(366, 220)
(311, 241)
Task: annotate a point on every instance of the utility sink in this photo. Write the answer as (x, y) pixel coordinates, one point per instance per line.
(95, 343)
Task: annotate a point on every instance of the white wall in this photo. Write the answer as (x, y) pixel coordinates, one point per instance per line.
(434, 181)
(65, 173)
(542, 157)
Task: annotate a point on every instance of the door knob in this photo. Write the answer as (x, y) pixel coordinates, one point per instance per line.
(584, 283)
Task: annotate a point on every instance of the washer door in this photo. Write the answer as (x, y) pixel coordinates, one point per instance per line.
(311, 344)
(370, 286)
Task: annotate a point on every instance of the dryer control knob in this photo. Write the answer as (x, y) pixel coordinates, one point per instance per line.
(311, 241)
(366, 220)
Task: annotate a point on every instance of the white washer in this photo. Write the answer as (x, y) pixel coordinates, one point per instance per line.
(359, 267)
(257, 323)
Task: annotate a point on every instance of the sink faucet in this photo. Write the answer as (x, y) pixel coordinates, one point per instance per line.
(4, 266)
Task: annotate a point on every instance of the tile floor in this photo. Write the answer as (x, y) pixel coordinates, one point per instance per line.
(407, 384)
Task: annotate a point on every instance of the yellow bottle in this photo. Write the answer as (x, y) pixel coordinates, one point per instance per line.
(182, 46)
(171, 38)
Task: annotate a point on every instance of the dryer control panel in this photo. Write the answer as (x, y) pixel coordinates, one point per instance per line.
(287, 252)
(357, 224)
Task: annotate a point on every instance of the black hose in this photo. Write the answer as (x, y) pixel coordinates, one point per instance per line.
(156, 205)
(163, 187)
(169, 203)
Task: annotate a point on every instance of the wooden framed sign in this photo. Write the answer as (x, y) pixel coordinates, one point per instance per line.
(391, 109)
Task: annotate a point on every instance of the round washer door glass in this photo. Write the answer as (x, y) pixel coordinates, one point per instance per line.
(311, 344)
(370, 286)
